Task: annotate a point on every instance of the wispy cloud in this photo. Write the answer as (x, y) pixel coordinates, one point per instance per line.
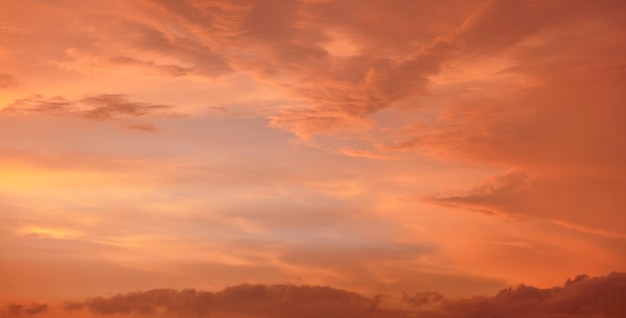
(565, 200)
(105, 107)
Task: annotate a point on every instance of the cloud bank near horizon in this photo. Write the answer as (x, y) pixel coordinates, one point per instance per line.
(583, 296)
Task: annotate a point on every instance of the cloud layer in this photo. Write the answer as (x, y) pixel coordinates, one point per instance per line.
(580, 297)
(336, 142)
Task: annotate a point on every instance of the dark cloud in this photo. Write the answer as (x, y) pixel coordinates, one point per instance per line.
(16, 310)
(106, 107)
(593, 297)
(603, 296)
(109, 106)
(420, 299)
(255, 300)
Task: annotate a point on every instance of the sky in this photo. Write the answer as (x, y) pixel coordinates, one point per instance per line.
(452, 147)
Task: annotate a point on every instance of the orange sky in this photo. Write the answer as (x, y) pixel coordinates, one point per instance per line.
(375, 146)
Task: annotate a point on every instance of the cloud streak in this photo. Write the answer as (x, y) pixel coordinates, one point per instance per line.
(17, 310)
(105, 107)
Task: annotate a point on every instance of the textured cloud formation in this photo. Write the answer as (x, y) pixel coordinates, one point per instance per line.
(113, 107)
(338, 73)
(556, 121)
(341, 62)
(388, 101)
(583, 296)
(494, 28)
(299, 48)
(253, 300)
